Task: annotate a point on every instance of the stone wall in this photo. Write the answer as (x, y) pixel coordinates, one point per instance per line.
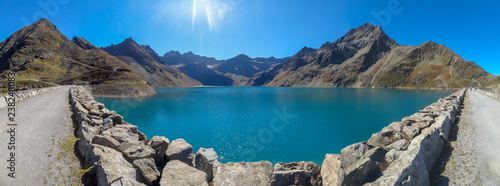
(489, 93)
(402, 153)
(25, 94)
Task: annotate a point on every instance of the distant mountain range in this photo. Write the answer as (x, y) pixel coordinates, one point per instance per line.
(367, 57)
(41, 55)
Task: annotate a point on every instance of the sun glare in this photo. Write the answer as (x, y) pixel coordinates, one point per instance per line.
(214, 10)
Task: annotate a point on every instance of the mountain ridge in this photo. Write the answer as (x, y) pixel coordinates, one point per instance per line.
(367, 57)
(148, 63)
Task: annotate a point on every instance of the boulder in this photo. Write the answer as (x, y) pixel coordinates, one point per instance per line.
(366, 169)
(137, 150)
(330, 170)
(111, 166)
(126, 182)
(160, 145)
(392, 155)
(86, 131)
(398, 145)
(107, 141)
(148, 169)
(352, 153)
(180, 150)
(378, 140)
(296, 173)
(410, 132)
(394, 127)
(123, 133)
(206, 161)
(178, 173)
(107, 124)
(244, 173)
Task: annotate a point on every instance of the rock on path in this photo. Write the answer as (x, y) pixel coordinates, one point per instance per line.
(472, 156)
(44, 124)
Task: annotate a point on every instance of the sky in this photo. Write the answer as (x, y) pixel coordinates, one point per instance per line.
(264, 28)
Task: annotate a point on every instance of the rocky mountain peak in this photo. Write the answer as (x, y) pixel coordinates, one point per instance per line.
(44, 22)
(83, 43)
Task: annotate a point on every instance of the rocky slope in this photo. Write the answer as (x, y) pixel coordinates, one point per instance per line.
(242, 65)
(41, 53)
(367, 57)
(148, 63)
(205, 75)
(176, 58)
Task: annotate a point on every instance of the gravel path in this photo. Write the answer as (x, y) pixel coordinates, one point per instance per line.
(44, 127)
(472, 156)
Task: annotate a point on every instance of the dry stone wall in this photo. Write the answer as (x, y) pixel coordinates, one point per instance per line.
(402, 153)
(25, 94)
(488, 93)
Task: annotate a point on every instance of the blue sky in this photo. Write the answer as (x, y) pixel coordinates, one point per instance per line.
(263, 28)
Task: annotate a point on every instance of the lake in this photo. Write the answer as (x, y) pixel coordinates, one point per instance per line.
(270, 123)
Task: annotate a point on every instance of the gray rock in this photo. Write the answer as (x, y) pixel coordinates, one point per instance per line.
(366, 169)
(394, 127)
(392, 155)
(160, 145)
(137, 150)
(86, 131)
(96, 120)
(107, 141)
(378, 140)
(330, 170)
(178, 173)
(399, 145)
(296, 173)
(94, 112)
(180, 150)
(352, 153)
(111, 166)
(123, 133)
(241, 173)
(107, 124)
(126, 182)
(410, 132)
(142, 136)
(148, 169)
(206, 161)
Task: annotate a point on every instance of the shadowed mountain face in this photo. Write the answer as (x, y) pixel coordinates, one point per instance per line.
(367, 57)
(176, 58)
(216, 72)
(206, 75)
(242, 65)
(41, 53)
(148, 63)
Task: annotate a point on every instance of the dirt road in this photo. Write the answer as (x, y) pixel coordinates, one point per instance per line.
(43, 132)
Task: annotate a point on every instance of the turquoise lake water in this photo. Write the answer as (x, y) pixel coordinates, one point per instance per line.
(270, 123)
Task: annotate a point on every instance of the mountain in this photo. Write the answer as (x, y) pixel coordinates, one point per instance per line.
(176, 58)
(40, 55)
(205, 75)
(239, 68)
(242, 65)
(83, 43)
(148, 63)
(367, 57)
